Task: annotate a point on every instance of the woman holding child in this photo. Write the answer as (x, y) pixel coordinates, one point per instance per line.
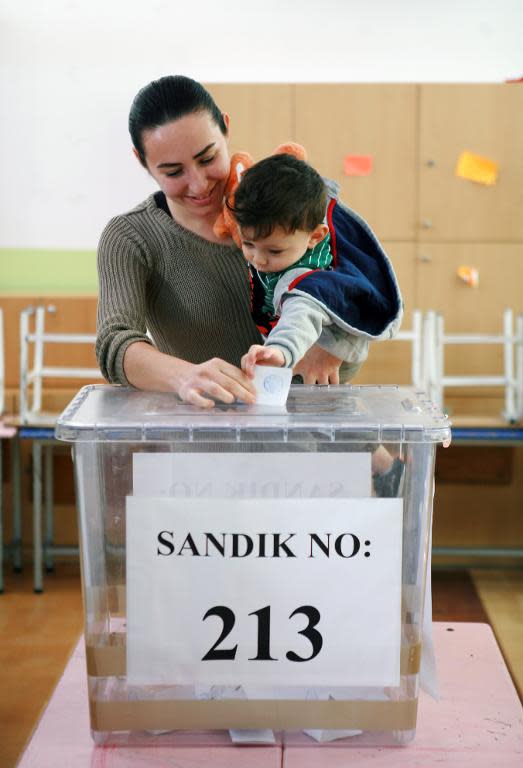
(163, 269)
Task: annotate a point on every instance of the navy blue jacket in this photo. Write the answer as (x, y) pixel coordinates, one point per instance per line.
(360, 291)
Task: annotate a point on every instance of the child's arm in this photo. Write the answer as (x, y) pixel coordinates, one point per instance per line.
(299, 327)
(350, 347)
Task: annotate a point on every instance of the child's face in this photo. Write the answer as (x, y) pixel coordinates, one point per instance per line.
(280, 249)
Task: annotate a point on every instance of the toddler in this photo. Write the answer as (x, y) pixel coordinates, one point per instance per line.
(280, 207)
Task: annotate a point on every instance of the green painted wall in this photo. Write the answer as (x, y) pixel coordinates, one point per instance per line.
(45, 271)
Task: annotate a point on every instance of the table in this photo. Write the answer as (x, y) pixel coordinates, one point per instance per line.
(492, 432)
(41, 433)
(478, 722)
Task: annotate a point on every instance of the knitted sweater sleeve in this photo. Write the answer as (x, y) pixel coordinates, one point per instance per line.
(122, 277)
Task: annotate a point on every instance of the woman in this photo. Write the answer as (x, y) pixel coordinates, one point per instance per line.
(162, 269)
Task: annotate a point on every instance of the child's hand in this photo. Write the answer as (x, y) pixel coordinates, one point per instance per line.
(260, 355)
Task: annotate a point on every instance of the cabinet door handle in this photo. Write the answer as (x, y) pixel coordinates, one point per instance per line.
(426, 224)
(425, 258)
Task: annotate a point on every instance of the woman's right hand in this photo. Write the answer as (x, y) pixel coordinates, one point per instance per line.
(218, 380)
(200, 384)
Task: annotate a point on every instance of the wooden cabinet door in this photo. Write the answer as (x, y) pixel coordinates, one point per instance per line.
(333, 121)
(466, 309)
(261, 115)
(486, 120)
(390, 362)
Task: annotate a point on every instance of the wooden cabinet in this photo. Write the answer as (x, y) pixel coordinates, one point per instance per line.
(262, 116)
(480, 514)
(462, 222)
(429, 220)
(500, 269)
(333, 121)
(466, 309)
(486, 120)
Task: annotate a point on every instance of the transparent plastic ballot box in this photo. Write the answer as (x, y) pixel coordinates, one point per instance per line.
(252, 567)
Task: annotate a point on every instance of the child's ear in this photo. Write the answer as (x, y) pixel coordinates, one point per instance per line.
(318, 234)
(227, 121)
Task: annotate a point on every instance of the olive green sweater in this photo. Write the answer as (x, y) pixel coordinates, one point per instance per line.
(191, 295)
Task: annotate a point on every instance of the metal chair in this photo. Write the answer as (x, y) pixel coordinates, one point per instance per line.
(38, 425)
(415, 337)
(435, 339)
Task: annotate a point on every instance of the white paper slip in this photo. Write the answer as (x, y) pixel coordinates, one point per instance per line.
(251, 736)
(272, 384)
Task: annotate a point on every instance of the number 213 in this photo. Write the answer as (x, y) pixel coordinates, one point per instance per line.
(264, 631)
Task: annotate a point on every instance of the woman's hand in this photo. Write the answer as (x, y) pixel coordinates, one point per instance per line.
(318, 366)
(260, 355)
(149, 369)
(217, 379)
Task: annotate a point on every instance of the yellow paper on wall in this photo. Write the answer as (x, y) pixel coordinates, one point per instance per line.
(477, 168)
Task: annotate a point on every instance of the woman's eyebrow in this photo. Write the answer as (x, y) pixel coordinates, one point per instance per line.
(195, 157)
(204, 150)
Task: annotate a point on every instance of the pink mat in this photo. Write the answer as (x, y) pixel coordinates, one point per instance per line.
(478, 722)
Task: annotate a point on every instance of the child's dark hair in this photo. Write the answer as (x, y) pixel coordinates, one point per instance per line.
(280, 191)
(165, 100)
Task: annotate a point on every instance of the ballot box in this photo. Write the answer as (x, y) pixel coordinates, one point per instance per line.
(254, 569)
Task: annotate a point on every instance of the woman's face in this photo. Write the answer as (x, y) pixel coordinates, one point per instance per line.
(189, 159)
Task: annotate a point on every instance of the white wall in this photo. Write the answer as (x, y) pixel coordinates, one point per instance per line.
(70, 69)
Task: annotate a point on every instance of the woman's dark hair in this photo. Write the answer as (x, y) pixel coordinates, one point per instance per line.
(165, 100)
(280, 191)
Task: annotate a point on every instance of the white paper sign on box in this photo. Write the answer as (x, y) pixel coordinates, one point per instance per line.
(252, 475)
(264, 591)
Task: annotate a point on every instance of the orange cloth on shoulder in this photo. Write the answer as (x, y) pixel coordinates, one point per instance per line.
(225, 225)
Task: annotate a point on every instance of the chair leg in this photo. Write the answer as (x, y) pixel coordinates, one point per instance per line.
(16, 480)
(1, 519)
(37, 516)
(49, 511)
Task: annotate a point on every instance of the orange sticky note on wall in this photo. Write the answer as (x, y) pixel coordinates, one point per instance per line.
(357, 165)
(477, 168)
(469, 275)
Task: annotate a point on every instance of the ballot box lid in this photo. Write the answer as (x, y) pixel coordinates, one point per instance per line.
(359, 414)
